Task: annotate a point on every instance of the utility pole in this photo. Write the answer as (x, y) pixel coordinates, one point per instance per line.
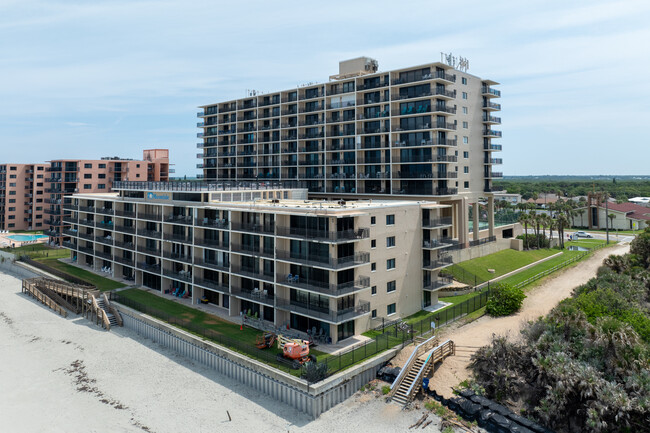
(607, 216)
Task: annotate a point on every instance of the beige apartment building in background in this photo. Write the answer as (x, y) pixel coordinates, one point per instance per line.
(22, 197)
(414, 133)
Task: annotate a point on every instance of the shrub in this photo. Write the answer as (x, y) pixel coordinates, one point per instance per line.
(504, 300)
(530, 241)
(385, 389)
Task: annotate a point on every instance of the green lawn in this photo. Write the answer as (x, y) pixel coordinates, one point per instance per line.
(103, 284)
(502, 262)
(246, 335)
(39, 250)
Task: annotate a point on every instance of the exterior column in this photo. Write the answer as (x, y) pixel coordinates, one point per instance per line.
(475, 218)
(491, 215)
(462, 217)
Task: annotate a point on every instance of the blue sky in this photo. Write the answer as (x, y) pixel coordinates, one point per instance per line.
(96, 78)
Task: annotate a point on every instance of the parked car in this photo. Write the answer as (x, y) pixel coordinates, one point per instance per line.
(582, 235)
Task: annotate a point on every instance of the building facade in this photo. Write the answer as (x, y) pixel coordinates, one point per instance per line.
(266, 250)
(69, 176)
(22, 196)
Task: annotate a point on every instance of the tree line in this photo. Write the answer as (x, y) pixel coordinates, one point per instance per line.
(621, 190)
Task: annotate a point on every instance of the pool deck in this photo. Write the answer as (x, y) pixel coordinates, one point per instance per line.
(5, 241)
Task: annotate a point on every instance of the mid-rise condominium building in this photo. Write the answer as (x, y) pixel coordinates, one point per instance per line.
(22, 196)
(412, 133)
(267, 250)
(69, 176)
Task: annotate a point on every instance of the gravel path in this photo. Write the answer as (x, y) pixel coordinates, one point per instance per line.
(539, 301)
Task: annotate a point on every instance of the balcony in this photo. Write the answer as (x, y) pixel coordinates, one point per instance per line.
(437, 243)
(88, 236)
(252, 273)
(178, 238)
(178, 257)
(87, 209)
(437, 284)
(149, 233)
(70, 245)
(106, 225)
(491, 106)
(361, 309)
(490, 92)
(178, 276)
(328, 262)
(440, 263)
(104, 255)
(148, 250)
(211, 264)
(71, 232)
(211, 243)
(254, 295)
(448, 142)
(108, 240)
(125, 245)
(325, 288)
(149, 267)
(494, 174)
(212, 285)
(179, 219)
(105, 211)
(125, 213)
(493, 147)
(436, 75)
(251, 250)
(492, 133)
(125, 229)
(491, 119)
(253, 227)
(436, 223)
(322, 235)
(150, 216)
(87, 222)
(86, 250)
(124, 260)
(68, 206)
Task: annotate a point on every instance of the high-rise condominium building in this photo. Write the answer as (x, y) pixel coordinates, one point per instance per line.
(22, 196)
(418, 132)
(69, 176)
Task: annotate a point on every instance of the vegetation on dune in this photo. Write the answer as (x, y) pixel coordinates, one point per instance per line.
(585, 367)
(504, 300)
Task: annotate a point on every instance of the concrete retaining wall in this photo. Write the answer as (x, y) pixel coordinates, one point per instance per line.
(312, 399)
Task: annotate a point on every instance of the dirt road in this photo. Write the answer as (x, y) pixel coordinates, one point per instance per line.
(540, 300)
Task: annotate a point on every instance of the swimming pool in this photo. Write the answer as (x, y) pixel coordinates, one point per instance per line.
(26, 238)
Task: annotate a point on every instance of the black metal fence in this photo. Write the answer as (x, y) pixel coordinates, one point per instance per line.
(54, 271)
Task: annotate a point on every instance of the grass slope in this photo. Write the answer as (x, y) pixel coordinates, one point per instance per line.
(103, 284)
(502, 262)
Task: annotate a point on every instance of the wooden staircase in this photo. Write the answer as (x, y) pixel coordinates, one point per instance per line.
(112, 320)
(419, 366)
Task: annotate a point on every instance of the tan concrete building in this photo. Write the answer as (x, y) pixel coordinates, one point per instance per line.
(68, 176)
(22, 199)
(421, 132)
(339, 266)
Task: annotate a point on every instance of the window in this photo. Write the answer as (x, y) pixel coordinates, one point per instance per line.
(465, 154)
(373, 220)
(464, 110)
(12, 184)
(137, 175)
(12, 208)
(137, 166)
(374, 314)
(87, 165)
(101, 175)
(390, 241)
(12, 192)
(12, 168)
(102, 165)
(466, 184)
(87, 186)
(373, 267)
(373, 243)
(101, 186)
(390, 220)
(12, 176)
(390, 309)
(88, 175)
(464, 95)
(466, 169)
(391, 286)
(373, 290)
(12, 217)
(390, 264)
(465, 140)
(465, 125)
(464, 80)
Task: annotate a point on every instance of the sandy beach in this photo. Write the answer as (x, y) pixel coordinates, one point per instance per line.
(68, 375)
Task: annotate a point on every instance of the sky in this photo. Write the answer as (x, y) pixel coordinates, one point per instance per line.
(87, 79)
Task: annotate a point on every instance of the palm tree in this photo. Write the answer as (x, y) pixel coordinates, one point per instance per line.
(581, 212)
(524, 219)
(551, 225)
(611, 217)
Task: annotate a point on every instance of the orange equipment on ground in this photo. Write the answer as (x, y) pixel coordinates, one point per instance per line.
(265, 340)
(296, 350)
